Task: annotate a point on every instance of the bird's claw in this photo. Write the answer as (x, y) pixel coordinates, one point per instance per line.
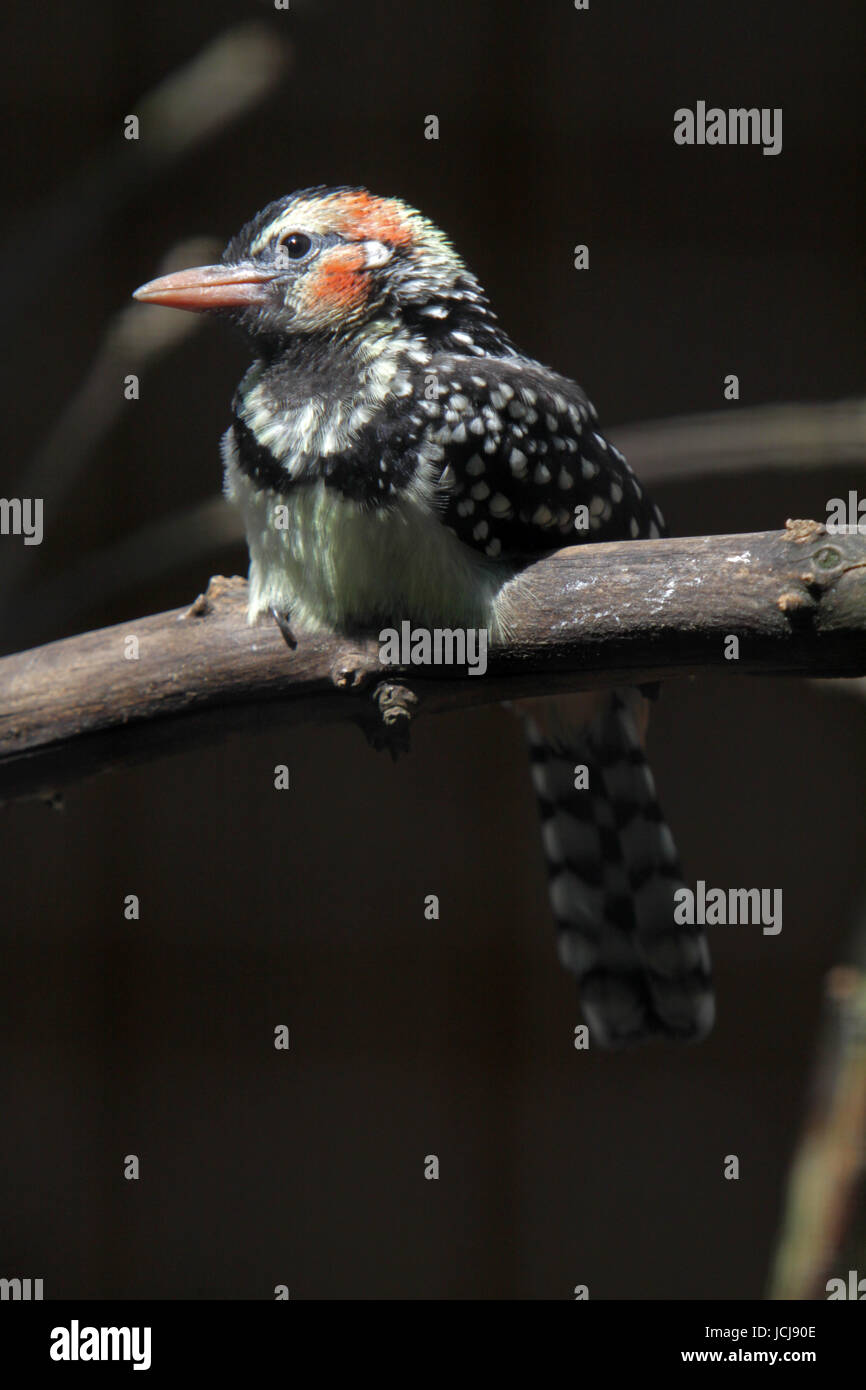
(282, 621)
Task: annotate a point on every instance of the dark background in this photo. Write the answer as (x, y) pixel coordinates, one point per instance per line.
(411, 1037)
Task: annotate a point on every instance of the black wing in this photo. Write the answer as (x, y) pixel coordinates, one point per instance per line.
(525, 468)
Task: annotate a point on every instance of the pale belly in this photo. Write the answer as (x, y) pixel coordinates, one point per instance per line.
(335, 565)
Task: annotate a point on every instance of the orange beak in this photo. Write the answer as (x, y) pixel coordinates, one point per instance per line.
(209, 287)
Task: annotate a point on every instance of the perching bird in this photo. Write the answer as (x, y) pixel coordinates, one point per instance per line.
(418, 459)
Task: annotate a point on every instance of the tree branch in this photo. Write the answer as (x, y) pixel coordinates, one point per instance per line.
(589, 616)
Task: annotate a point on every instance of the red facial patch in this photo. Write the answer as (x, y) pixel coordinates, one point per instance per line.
(361, 216)
(340, 284)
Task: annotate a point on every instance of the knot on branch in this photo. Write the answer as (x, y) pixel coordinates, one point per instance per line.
(388, 728)
(836, 554)
(220, 589)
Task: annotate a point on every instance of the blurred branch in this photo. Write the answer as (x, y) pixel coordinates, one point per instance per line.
(230, 75)
(825, 1202)
(224, 80)
(138, 336)
(186, 537)
(589, 616)
(815, 435)
(852, 689)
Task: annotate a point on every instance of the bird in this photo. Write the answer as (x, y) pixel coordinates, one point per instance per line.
(416, 460)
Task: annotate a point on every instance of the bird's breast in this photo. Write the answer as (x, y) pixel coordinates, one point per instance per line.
(338, 564)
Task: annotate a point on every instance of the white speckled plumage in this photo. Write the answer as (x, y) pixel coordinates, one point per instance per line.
(394, 456)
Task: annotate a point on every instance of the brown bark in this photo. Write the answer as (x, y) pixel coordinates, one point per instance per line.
(589, 616)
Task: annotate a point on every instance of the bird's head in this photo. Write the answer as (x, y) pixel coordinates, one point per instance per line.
(326, 261)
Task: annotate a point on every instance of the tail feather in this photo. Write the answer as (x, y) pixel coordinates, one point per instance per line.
(614, 870)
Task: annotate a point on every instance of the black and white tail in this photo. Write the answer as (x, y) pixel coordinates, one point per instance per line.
(614, 870)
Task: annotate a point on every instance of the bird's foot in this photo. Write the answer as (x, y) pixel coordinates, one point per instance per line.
(281, 618)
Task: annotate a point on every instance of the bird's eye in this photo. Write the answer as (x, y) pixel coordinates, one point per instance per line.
(295, 245)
